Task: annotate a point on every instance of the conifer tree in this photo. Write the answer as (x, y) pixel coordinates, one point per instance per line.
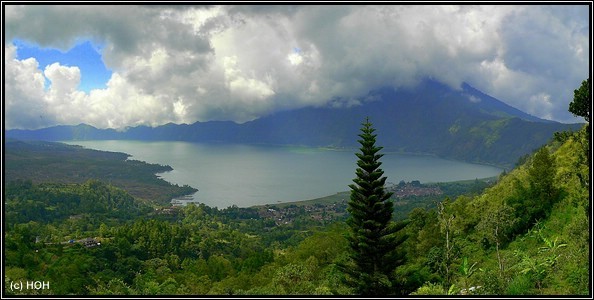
(373, 236)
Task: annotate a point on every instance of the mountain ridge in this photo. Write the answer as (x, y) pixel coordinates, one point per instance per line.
(432, 118)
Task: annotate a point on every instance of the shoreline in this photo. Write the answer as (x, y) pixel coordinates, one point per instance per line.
(339, 195)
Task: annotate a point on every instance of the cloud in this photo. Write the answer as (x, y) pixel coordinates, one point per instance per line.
(64, 80)
(199, 63)
(31, 105)
(24, 91)
(544, 51)
(473, 99)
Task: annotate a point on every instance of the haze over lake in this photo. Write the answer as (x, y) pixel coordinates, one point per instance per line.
(247, 175)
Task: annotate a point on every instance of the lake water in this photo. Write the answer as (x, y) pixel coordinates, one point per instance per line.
(247, 175)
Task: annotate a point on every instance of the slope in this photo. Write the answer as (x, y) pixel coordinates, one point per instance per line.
(520, 240)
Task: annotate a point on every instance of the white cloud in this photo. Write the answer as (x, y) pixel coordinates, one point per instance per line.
(241, 86)
(194, 63)
(24, 92)
(540, 104)
(295, 58)
(31, 105)
(63, 79)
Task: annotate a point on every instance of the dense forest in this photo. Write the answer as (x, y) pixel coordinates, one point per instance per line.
(526, 235)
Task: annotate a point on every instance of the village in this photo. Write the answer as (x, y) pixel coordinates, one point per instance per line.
(324, 212)
(413, 188)
(316, 212)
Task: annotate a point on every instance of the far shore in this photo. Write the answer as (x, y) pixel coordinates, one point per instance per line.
(344, 195)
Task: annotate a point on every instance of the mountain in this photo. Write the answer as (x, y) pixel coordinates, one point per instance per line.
(431, 118)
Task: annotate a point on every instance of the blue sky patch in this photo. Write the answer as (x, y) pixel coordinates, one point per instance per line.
(84, 55)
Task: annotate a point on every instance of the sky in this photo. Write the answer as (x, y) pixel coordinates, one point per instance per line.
(114, 66)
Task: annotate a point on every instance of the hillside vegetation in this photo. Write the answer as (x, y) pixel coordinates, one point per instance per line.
(49, 162)
(526, 235)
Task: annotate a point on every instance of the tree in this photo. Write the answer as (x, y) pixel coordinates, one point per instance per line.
(534, 202)
(497, 225)
(373, 237)
(581, 105)
(542, 177)
(445, 223)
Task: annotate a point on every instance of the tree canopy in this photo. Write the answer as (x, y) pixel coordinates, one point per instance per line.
(581, 104)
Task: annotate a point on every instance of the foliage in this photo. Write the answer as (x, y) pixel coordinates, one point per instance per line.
(429, 289)
(49, 203)
(582, 101)
(497, 225)
(535, 196)
(373, 239)
(48, 162)
(467, 270)
(448, 250)
(503, 230)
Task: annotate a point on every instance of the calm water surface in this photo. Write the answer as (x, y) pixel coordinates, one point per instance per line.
(247, 175)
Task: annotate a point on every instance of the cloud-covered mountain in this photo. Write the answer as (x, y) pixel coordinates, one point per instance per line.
(242, 62)
(431, 118)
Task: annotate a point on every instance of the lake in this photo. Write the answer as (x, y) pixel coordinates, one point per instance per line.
(247, 175)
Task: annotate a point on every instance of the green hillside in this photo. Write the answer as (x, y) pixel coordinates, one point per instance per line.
(517, 239)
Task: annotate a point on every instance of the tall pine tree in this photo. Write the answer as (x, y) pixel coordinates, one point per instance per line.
(373, 236)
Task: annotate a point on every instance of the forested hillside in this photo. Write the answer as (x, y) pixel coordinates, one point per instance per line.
(526, 235)
(50, 162)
